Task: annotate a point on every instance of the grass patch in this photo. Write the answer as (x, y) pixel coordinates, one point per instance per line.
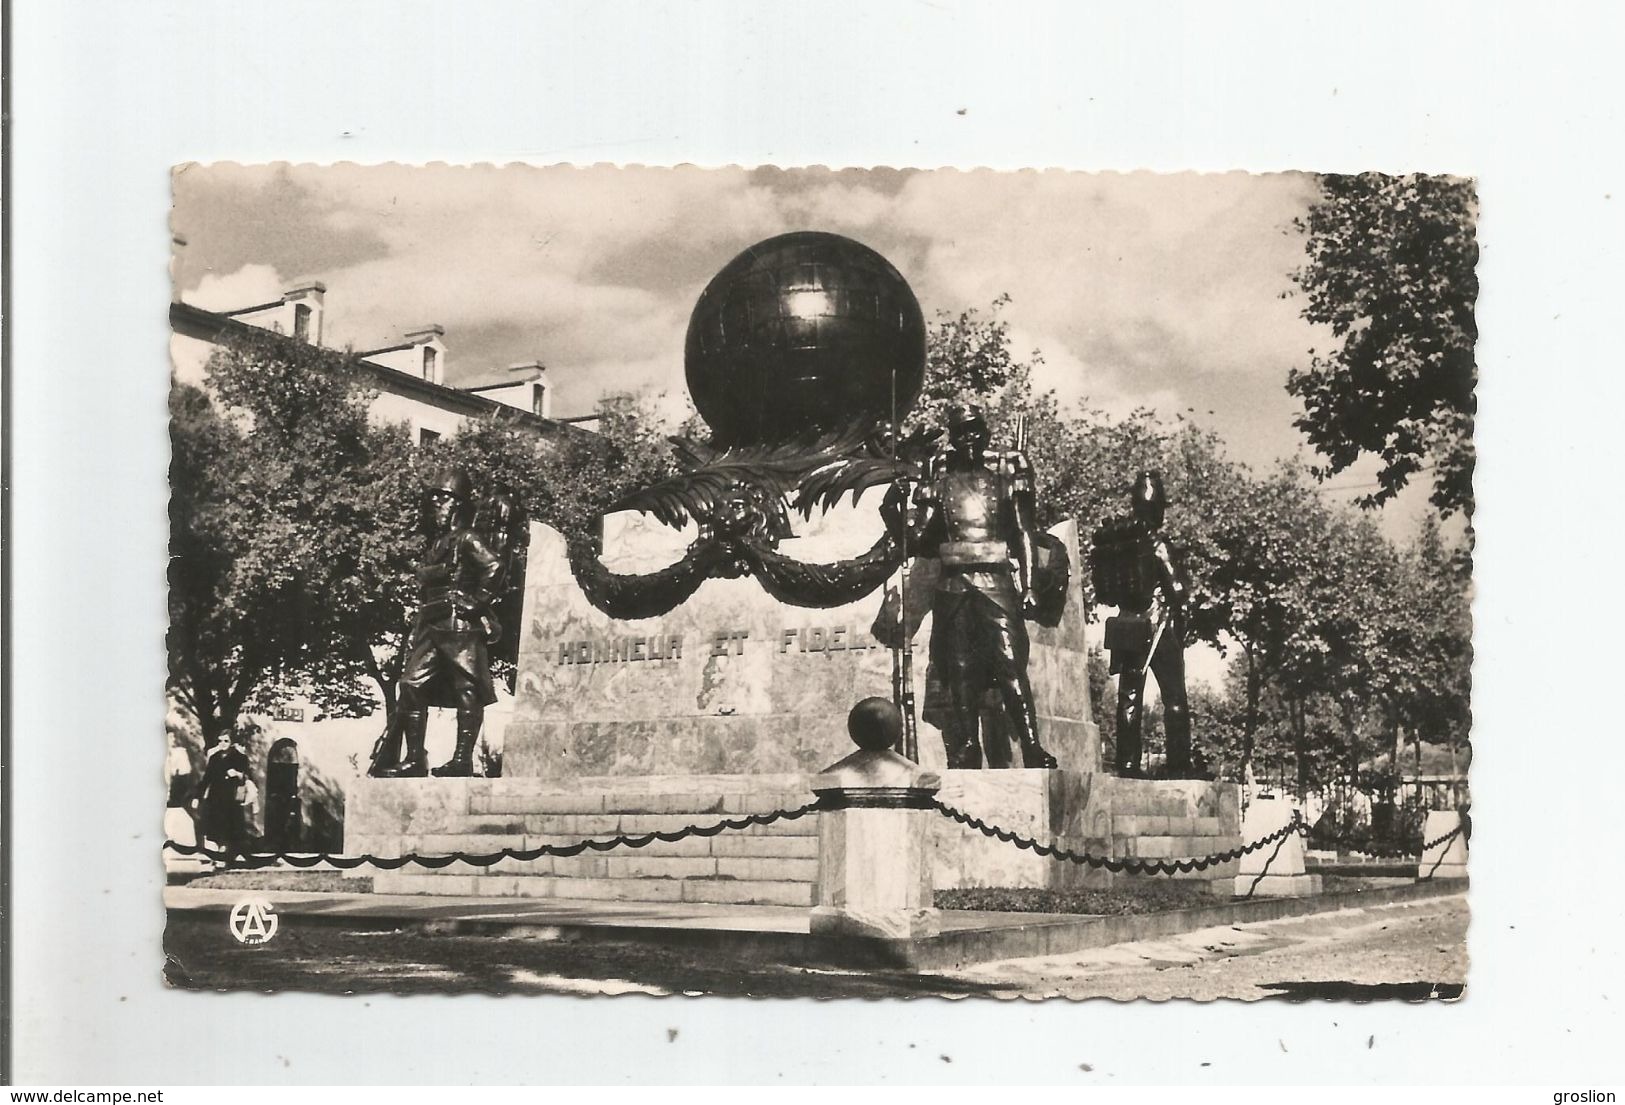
(1137, 897)
(319, 882)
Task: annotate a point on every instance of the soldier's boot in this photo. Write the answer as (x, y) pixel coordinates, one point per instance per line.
(1019, 698)
(415, 763)
(461, 764)
(959, 740)
(1128, 727)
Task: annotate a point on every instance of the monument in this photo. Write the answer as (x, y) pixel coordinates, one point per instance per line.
(699, 657)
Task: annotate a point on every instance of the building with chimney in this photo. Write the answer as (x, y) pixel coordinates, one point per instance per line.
(408, 376)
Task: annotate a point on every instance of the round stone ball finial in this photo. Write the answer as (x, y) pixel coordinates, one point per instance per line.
(875, 724)
(804, 332)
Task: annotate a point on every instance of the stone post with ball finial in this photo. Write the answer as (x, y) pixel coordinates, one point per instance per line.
(874, 858)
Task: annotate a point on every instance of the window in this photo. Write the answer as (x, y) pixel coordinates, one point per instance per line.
(427, 436)
(538, 400)
(428, 362)
(301, 321)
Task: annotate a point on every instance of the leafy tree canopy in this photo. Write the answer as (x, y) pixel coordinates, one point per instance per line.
(1392, 271)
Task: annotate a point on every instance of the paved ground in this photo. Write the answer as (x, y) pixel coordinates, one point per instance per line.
(1379, 951)
(1411, 950)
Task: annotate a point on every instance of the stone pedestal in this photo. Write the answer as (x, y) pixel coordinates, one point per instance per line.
(874, 856)
(1088, 812)
(1443, 861)
(1275, 870)
(732, 681)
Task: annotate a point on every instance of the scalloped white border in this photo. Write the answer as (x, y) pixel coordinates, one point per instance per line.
(107, 96)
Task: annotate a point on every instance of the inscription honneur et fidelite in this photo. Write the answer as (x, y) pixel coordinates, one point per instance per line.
(794, 640)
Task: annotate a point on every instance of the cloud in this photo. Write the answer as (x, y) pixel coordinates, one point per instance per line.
(246, 287)
(1139, 289)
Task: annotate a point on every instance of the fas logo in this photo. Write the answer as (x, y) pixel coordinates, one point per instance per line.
(253, 921)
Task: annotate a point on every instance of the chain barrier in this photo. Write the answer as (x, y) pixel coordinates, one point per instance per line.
(256, 860)
(1166, 866)
(1354, 846)
(1122, 866)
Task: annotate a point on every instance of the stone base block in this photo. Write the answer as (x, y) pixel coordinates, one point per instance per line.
(1448, 860)
(888, 925)
(1277, 886)
(178, 827)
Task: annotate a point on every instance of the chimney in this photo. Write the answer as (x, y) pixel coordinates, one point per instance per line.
(429, 352)
(305, 309)
(539, 396)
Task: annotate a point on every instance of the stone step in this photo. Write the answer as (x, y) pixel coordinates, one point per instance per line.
(1173, 847)
(1161, 825)
(719, 891)
(710, 804)
(725, 845)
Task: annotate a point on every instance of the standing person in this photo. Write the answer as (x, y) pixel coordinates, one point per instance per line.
(974, 512)
(446, 663)
(220, 794)
(1136, 571)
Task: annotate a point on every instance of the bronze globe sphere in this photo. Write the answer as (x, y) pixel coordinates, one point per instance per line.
(803, 332)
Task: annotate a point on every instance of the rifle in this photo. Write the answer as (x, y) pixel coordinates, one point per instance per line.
(1156, 639)
(902, 677)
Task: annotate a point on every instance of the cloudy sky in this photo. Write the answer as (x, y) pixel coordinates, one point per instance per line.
(1169, 291)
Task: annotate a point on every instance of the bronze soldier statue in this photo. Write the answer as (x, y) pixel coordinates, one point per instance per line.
(1136, 571)
(446, 661)
(974, 512)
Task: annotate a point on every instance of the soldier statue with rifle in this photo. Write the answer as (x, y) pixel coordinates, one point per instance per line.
(973, 511)
(446, 663)
(1135, 570)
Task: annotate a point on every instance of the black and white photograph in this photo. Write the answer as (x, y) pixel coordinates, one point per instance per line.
(919, 547)
(785, 582)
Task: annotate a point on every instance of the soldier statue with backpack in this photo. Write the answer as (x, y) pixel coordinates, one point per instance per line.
(1134, 569)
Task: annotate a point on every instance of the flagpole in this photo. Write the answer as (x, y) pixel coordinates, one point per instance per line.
(903, 654)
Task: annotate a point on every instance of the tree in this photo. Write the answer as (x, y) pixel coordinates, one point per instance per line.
(1392, 271)
(1269, 543)
(227, 628)
(1432, 694)
(967, 357)
(280, 497)
(295, 524)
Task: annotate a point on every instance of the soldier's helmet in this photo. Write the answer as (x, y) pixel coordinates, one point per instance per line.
(967, 420)
(453, 481)
(1149, 498)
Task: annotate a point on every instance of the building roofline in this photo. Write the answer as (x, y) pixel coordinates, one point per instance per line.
(503, 384)
(235, 311)
(212, 325)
